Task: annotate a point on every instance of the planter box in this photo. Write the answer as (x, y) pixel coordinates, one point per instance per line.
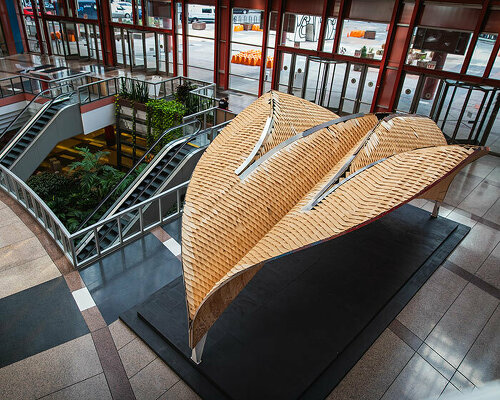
(129, 104)
(247, 27)
(370, 35)
(199, 26)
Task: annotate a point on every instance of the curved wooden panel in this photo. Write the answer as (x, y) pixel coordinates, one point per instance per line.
(349, 172)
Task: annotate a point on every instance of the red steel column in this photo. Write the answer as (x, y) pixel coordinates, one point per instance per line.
(398, 6)
(134, 13)
(105, 32)
(277, 53)
(34, 7)
(479, 25)
(264, 47)
(174, 38)
(392, 71)
(7, 30)
(227, 50)
(324, 18)
(184, 39)
(494, 53)
(216, 40)
(340, 23)
(20, 21)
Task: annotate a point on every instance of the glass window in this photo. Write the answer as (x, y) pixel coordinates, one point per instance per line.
(86, 9)
(121, 11)
(481, 54)
(301, 31)
(495, 70)
(363, 39)
(331, 24)
(246, 50)
(200, 26)
(159, 14)
(438, 49)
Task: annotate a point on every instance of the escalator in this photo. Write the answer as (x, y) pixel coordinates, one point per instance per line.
(173, 165)
(53, 118)
(35, 126)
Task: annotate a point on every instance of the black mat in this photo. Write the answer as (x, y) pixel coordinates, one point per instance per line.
(38, 319)
(306, 318)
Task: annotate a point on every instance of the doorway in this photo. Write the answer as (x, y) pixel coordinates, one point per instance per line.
(340, 86)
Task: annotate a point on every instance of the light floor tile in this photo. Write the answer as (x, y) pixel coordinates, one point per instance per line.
(173, 246)
(83, 298)
(121, 334)
(50, 370)
(153, 380)
(94, 388)
(135, 356)
(29, 274)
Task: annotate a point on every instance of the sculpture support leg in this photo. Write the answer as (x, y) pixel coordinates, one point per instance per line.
(198, 350)
(435, 211)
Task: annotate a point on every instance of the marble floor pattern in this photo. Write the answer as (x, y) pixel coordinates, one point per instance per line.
(444, 341)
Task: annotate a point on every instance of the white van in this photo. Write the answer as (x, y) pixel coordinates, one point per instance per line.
(198, 13)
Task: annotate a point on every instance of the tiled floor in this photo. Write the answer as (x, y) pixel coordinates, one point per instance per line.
(446, 340)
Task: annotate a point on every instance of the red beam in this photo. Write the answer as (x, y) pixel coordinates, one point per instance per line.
(265, 30)
(479, 26)
(453, 76)
(398, 6)
(144, 16)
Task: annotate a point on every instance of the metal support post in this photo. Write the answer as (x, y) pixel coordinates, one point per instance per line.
(435, 211)
(198, 350)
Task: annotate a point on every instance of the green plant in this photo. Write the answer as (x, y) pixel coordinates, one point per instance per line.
(162, 115)
(138, 91)
(363, 52)
(95, 178)
(47, 184)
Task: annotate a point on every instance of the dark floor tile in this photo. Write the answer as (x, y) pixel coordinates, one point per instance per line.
(93, 318)
(129, 276)
(405, 334)
(38, 319)
(112, 366)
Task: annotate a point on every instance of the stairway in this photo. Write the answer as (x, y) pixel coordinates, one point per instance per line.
(22, 143)
(150, 183)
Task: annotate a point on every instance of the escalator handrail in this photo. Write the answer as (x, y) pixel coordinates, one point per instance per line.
(103, 201)
(22, 131)
(27, 106)
(181, 143)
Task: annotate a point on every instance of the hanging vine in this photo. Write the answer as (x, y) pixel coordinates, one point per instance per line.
(162, 115)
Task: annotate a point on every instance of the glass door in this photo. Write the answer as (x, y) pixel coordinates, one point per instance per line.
(137, 55)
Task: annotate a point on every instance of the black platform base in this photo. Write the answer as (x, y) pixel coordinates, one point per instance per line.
(305, 319)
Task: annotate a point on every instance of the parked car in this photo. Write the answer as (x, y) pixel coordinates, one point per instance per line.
(28, 12)
(121, 9)
(88, 8)
(201, 14)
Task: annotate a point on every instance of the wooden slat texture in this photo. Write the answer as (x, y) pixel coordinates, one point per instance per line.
(231, 226)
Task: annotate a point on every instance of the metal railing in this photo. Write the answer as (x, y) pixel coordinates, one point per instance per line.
(67, 242)
(36, 100)
(34, 205)
(162, 89)
(148, 214)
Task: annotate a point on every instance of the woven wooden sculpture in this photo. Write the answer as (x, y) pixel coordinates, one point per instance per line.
(287, 173)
